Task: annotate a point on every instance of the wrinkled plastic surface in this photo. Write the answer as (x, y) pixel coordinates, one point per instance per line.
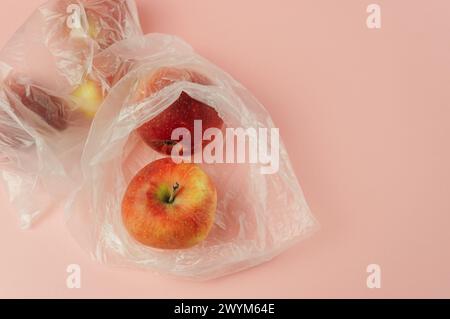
(42, 132)
(257, 215)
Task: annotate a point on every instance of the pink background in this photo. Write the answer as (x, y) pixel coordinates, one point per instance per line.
(365, 117)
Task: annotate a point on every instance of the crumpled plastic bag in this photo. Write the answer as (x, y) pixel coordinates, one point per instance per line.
(258, 215)
(43, 123)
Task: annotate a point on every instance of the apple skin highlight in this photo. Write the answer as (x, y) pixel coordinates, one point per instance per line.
(169, 205)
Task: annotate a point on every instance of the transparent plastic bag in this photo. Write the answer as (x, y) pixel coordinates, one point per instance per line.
(46, 76)
(258, 215)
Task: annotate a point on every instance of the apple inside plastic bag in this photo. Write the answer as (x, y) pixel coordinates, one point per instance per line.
(43, 122)
(258, 215)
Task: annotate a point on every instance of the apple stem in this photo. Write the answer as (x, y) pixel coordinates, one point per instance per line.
(175, 188)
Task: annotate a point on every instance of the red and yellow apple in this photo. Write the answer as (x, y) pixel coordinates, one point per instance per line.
(157, 132)
(169, 205)
(88, 97)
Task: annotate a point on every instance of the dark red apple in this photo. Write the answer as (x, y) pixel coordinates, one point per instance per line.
(183, 112)
(157, 132)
